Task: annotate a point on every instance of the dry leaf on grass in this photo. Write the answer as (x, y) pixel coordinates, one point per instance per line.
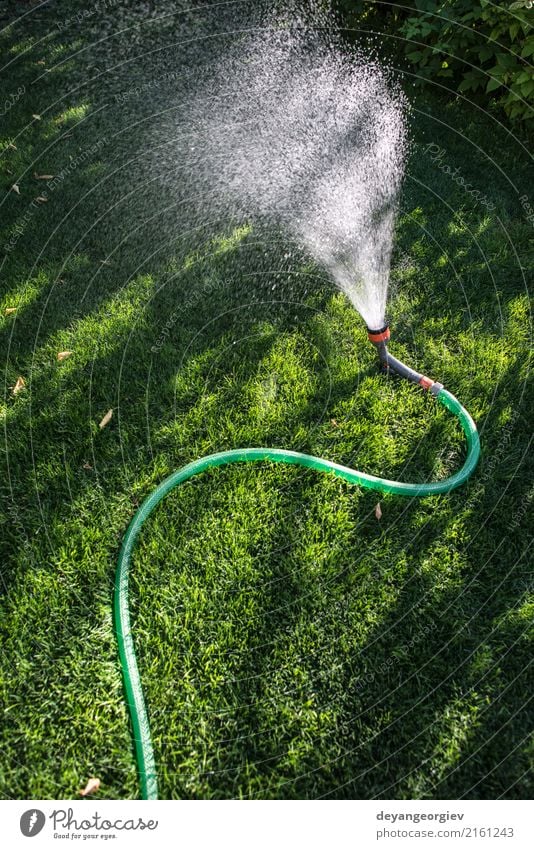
(20, 384)
(41, 199)
(378, 511)
(43, 176)
(87, 466)
(15, 188)
(62, 355)
(91, 787)
(106, 420)
(10, 310)
(334, 423)
(12, 146)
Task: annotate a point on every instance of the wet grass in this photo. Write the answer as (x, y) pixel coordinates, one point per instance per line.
(291, 644)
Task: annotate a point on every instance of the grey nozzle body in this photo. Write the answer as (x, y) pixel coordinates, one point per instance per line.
(380, 339)
(401, 369)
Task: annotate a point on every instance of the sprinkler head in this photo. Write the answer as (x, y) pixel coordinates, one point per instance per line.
(389, 363)
(380, 335)
(380, 339)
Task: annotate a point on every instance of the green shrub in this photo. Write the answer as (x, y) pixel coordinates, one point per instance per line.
(474, 46)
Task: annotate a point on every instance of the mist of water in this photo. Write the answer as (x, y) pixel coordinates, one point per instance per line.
(292, 128)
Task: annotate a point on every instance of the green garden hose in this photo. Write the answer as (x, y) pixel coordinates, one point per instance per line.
(134, 692)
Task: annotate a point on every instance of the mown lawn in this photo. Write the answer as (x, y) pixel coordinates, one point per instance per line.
(291, 644)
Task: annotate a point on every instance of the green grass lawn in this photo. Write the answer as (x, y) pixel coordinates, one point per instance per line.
(291, 644)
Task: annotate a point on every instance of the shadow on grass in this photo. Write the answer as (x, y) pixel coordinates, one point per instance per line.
(377, 658)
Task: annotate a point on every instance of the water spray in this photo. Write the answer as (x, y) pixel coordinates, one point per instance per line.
(318, 143)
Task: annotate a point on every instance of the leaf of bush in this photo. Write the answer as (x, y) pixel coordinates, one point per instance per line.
(493, 84)
(465, 85)
(485, 53)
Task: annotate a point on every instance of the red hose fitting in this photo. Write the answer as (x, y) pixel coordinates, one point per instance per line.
(381, 335)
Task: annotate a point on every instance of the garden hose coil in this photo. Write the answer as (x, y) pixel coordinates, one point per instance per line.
(144, 753)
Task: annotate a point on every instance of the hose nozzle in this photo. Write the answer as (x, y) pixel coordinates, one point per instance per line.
(388, 362)
(380, 339)
(378, 336)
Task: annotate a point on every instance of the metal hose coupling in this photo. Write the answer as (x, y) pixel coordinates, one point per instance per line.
(389, 363)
